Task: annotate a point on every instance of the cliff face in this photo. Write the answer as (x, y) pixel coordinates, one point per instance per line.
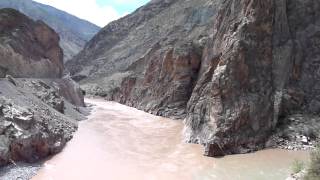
(296, 56)
(261, 70)
(74, 32)
(234, 69)
(28, 48)
(31, 124)
(231, 106)
(149, 59)
(38, 107)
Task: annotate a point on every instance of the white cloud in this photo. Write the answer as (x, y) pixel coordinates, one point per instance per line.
(86, 9)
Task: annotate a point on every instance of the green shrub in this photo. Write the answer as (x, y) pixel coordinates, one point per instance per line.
(297, 166)
(313, 170)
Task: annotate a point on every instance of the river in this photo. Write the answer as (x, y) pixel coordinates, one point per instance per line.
(121, 143)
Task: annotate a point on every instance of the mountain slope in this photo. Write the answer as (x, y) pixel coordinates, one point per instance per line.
(74, 32)
(132, 50)
(37, 105)
(28, 48)
(237, 71)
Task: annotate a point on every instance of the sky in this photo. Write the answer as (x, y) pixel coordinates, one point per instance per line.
(99, 12)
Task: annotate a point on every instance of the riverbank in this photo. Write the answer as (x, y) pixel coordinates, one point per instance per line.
(117, 139)
(119, 142)
(20, 171)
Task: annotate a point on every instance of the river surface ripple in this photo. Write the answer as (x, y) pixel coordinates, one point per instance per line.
(121, 143)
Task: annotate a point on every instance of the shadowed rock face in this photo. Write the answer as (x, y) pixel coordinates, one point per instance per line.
(28, 48)
(231, 107)
(74, 32)
(260, 68)
(298, 35)
(234, 69)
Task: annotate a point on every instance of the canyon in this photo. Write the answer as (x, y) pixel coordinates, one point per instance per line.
(231, 76)
(236, 71)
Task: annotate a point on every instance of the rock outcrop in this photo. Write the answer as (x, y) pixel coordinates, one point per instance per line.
(38, 107)
(28, 48)
(231, 108)
(263, 73)
(235, 70)
(29, 128)
(55, 92)
(70, 90)
(74, 32)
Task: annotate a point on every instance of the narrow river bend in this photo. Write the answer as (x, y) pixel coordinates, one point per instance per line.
(121, 143)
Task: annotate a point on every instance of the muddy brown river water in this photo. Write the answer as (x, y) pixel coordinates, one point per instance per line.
(121, 143)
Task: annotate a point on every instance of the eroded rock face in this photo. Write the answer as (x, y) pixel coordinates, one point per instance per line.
(55, 92)
(38, 112)
(29, 128)
(234, 69)
(70, 90)
(74, 32)
(149, 59)
(231, 107)
(28, 48)
(264, 73)
(165, 86)
(47, 94)
(301, 53)
(60, 94)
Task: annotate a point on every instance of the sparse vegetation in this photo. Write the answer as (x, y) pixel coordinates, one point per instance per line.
(297, 166)
(313, 170)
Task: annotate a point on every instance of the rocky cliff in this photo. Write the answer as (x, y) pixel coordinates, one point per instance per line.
(264, 73)
(231, 107)
(28, 48)
(74, 32)
(38, 107)
(237, 71)
(30, 129)
(149, 59)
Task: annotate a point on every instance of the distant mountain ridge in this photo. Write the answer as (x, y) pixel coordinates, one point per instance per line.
(74, 32)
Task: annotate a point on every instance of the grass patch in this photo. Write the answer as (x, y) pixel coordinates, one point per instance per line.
(297, 166)
(313, 170)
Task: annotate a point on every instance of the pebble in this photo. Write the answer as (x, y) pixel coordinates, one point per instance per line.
(304, 140)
